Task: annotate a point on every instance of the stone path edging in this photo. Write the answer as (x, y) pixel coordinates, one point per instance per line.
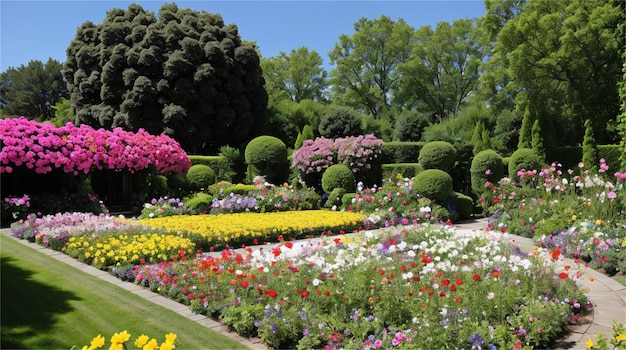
(607, 296)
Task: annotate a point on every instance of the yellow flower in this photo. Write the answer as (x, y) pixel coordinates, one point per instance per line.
(170, 337)
(573, 217)
(97, 342)
(142, 340)
(151, 345)
(598, 222)
(589, 344)
(621, 337)
(167, 346)
(120, 338)
(116, 346)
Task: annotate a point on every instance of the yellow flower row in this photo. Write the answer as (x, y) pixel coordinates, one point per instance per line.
(127, 249)
(224, 228)
(119, 340)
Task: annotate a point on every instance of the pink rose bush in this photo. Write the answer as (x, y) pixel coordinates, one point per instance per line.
(75, 149)
(357, 152)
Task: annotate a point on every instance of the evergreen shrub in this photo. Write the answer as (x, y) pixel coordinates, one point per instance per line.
(267, 156)
(338, 176)
(437, 155)
(486, 166)
(401, 152)
(335, 197)
(434, 184)
(390, 171)
(200, 177)
(200, 203)
(464, 205)
(524, 158)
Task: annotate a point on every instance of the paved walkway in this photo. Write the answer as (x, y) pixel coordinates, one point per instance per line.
(607, 295)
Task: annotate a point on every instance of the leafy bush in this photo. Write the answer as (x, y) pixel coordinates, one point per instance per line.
(267, 156)
(335, 198)
(338, 176)
(222, 165)
(340, 121)
(401, 152)
(464, 205)
(199, 203)
(434, 184)
(200, 177)
(404, 169)
(486, 166)
(523, 158)
(437, 155)
(409, 126)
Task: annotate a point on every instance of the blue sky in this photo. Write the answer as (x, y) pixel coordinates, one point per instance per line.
(38, 30)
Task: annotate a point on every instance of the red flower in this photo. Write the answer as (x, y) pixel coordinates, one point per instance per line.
(457, 300)
(556, 253)
(273, 294)
(289, 245)
(459, 282)
(563, 275)
(305, 294)
(445, 282)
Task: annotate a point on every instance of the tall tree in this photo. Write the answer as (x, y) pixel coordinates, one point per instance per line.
(564, 56)
(443, 69)
(366, 75)
(297, 76)
(186, 74)
(31, 90)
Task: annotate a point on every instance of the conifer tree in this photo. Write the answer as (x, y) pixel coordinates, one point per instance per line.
(590, 149)
(537, 140)
(525, 133)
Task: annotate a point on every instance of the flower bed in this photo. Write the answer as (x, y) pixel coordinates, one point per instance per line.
(399, 287)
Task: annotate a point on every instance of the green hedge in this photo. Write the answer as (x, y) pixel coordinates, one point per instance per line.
(390, 171)
(464, 205)
(219, 164)
(401, 152)
(611, 154)
(570, 156)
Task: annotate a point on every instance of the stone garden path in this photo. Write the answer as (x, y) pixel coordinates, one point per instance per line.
(607, 295)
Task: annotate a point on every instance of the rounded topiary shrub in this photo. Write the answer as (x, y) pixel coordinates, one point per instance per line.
(486, 166)
(200, 203)
(433, 184)
(335, 198)
(437, 155)
(524, 158)
(267, 156)
(338, 176)
(464, 206)
(200, 177)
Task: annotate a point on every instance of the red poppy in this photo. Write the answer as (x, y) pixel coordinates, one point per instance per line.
(403, 268)
(563, 275)
(289, 245)
(556, 253)
(496, 273)
(459, 282)
(457, 300)
(244, 284)
(445, 282)
(305, 294)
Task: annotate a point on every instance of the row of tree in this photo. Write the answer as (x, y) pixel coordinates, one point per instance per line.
(189, 75)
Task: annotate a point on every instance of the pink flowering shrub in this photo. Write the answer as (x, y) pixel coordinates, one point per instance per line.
(75, 149)
(357, 152)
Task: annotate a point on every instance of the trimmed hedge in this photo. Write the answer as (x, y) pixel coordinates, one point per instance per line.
(267, 156)
(401, 152)
(464, 205)
(219, 164)
(390, 171)
(487, 160)
(524, 158)
(569, 156)
(437, 155)
(433, 184)
(200, 177)
(338, 176)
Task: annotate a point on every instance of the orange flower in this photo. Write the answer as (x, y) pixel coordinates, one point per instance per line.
(556, 253)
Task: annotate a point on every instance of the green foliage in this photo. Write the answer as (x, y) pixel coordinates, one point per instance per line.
(365, 74)
(200, 177)
(63, 112)
(611, 155)
(525, 134)
(220, 164)
(590, 149)
(236, 162)
(335, 197)
(181, 72)
(486, 166)
(32, 90)
(434, 184)
(537, 140)
(409, 170)
(306, 134)
(401, 152)
(267, 156)
(177, 184)
(338, 176)
(340, 121)
(199, 203)
(297, 76)
(409, 126)
(464, 205)
(437, 155)
(524, 158)
(480, 138)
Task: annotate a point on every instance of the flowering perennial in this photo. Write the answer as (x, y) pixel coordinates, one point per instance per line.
(75, 149)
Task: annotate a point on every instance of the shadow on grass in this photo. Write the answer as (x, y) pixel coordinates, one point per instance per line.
(28, 307)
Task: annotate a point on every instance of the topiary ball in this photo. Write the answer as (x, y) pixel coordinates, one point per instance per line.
(200, 177)
(437, 155)
(434, 184)
(265, 149)
(486, 166)
(464, 206)
(524, 158)
(338, 176)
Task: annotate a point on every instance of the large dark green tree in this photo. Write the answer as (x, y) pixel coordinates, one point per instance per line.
(184, 73)
(562, 58)
(366, 74)
(297, 76)
(443, 69)
(31, 90)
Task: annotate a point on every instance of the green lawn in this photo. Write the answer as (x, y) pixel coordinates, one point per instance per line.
(46, 304)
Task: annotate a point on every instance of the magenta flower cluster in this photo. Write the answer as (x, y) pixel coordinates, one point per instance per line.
(76, 149)
(356, 152)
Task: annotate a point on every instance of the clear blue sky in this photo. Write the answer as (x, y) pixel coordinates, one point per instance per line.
(38, 30)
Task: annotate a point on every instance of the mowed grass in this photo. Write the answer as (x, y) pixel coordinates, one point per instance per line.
(47, 304)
